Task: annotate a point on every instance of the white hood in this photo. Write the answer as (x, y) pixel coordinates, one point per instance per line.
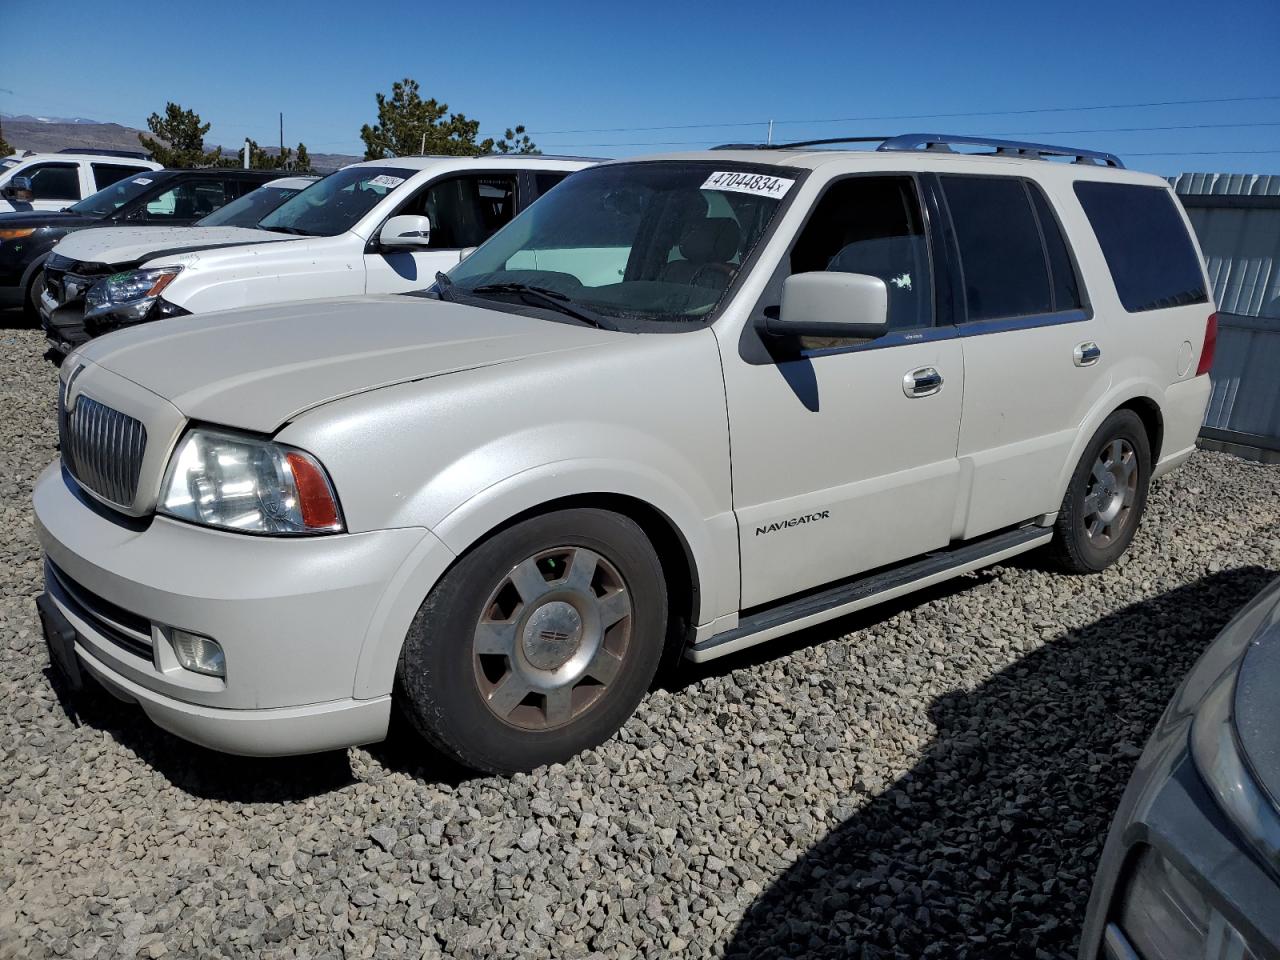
(112, 245)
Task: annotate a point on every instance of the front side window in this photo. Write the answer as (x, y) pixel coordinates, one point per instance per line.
(249, 209)
(54, 181)
(1001, 258)
(464, 211)
(337, 203)
(873, 226)
(186, 202)
(105, 174)
(1145, 243)
(646, 242)
(110, 199)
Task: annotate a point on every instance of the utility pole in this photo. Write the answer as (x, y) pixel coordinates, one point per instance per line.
(770, 140)
(282, 135)
(246, 153)
(422, 150)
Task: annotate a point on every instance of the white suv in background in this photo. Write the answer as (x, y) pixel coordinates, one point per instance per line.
(58, 180)
(382, 226)
(683, 404)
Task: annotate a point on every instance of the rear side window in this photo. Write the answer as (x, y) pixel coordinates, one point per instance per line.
(1145, 243)
(1062, 272)
(1006, 272)
(105, 174)
(544, 180)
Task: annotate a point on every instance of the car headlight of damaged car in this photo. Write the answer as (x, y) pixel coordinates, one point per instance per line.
(130, 294)
(248, 485)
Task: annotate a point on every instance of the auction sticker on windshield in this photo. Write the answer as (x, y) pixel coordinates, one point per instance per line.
(758, 184)
(383, 180)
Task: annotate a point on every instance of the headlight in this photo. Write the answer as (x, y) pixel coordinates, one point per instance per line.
(1220, 761)
(130, 294)
(253, 486)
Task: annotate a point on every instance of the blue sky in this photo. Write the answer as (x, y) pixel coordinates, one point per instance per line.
(572, 67)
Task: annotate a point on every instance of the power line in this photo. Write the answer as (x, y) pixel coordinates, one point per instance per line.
(917, 116)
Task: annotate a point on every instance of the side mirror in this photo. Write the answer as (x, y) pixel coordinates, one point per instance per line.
(20, 189)
(405, 233)
(832, 304)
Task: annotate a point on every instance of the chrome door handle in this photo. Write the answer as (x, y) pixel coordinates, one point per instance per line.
(924, 382)
(1087, 354)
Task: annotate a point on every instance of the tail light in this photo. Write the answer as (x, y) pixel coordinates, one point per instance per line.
(1210, 345)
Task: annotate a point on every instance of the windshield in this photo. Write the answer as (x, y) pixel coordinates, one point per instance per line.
(249, 209)
(336, 203)
(644, 241)
(8, 162)
(110, 199)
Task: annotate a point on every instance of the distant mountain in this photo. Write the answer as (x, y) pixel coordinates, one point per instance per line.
(51, 134)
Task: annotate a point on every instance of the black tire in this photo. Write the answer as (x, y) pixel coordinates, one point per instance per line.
(454, 695)
(1085, 541)
(31, 301)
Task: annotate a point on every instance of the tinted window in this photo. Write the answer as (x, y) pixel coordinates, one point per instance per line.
(1145, 242)
(464, 211)
(54, 181)
(872, 225)
(249, 209)
(1001, 259)
(186, 202)
(545, 180)
(105, 174)
(110, 199)
(1066, 288)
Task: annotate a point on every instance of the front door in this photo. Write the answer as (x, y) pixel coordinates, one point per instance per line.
(464, 211)
(844, 452)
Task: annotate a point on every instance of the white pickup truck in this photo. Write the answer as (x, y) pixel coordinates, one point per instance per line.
(383, 226)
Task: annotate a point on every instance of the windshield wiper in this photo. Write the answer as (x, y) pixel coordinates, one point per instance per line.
(294, 231)
(547, 298)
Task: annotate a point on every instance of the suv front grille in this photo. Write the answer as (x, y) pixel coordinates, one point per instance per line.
(103, 448)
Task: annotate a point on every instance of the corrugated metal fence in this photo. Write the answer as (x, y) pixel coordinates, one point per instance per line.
(1237, 219)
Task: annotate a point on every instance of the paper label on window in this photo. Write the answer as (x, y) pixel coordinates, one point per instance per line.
(386, 180)
(141, 181)
(759, 184)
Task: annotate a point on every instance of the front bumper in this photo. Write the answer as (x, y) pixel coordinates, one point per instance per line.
(293, 616)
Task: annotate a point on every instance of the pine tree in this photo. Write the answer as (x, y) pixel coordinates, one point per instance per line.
(408, 125)
(178, 139)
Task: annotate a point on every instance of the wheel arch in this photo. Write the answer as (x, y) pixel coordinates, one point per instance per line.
(684, 551)
(1143, 398)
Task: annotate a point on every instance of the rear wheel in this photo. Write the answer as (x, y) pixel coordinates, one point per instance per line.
(537, 644)
(1107, 494)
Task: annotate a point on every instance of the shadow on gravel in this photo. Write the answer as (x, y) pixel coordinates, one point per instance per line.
(987, 848)
(16, 319)
(196, 770)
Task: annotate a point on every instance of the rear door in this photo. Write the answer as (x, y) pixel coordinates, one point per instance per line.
(1035, 357)
(464, 209)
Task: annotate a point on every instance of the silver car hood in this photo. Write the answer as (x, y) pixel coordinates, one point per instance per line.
(134, 244)
(260, 367)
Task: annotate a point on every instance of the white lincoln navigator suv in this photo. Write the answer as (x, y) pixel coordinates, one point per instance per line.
(680, 405)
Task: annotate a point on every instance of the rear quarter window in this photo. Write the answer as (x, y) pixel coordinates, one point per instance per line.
(1145, 243)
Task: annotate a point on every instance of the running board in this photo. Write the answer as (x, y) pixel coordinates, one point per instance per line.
(846, 597)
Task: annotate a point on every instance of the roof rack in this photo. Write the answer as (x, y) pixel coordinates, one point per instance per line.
(101, 152)
(942, 143)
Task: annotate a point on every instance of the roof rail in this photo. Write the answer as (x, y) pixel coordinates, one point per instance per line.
(101, 152)
(1003, 148)
(942, 142)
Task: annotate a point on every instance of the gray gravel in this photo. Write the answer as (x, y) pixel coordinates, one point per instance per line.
(931, 779)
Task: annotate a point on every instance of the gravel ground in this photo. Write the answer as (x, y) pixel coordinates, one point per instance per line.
(934, 778)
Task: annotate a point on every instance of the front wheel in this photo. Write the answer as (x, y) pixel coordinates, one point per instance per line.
(31, 302)
(1107, 494)
(537, 644)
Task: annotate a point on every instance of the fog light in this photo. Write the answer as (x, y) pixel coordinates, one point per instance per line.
(198, 654)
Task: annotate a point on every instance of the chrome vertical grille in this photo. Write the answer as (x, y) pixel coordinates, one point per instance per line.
(102, 448)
